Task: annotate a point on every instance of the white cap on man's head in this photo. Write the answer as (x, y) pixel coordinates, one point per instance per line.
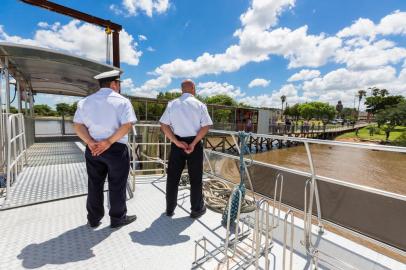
(108, 74)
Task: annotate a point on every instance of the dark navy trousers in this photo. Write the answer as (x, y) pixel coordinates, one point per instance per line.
(115, 165)
(177, 160)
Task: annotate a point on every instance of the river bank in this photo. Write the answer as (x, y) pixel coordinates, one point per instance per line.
(373, 134)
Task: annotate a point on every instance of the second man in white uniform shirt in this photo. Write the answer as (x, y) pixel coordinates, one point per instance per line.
(185, 122)
(186, 115)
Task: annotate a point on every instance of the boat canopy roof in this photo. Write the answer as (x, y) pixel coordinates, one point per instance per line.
(51, 72)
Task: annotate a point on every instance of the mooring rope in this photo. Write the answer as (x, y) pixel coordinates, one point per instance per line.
(217, 193)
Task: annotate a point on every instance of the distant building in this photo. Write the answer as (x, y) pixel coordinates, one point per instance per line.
(366, 117)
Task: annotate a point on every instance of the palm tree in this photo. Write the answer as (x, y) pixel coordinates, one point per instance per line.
(283, 99)
(361, 94)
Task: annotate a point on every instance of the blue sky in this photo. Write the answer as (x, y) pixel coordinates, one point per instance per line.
(254, 51)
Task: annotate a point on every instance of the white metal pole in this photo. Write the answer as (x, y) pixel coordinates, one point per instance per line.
(31, 104)
(25, 101)
(2, 122)
(6, 74)
(18, 93)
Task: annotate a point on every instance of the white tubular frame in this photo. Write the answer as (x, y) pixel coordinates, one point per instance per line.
(285, 238)
(16, 148)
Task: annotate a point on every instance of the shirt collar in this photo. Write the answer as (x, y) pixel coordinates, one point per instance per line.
(185, 95)
(105, 90)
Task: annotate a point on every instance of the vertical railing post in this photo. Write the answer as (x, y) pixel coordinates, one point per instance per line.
(18, 93)
(313, 188)
(285, 239)
(8, 141)
(7, 77)
(25, 102)
(2, 127)
(31, 103)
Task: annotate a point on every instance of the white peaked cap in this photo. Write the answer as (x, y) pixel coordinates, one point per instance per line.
(108, 74)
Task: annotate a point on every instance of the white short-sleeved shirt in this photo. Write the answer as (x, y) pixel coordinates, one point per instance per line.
(186, 115)
(103, 113)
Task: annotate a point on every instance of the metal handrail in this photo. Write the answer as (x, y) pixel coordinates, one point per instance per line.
(258, 231)
(16, 144)
(311, 141)
(157, 160)
(319, 177)
(388, 148)
(313, 173)
(292, 233)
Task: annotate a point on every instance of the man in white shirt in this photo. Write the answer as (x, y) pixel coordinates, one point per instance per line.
(185, 122)
(103, 120)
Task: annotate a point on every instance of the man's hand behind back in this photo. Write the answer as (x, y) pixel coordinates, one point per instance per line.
(190, 148)
(181, 145)
(101, 147)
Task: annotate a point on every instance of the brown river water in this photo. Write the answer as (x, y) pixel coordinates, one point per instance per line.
(377, 169)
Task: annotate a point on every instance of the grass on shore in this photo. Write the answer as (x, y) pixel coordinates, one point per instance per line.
(363, 134)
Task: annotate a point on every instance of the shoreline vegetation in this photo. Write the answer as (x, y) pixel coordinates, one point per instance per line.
(373, 134)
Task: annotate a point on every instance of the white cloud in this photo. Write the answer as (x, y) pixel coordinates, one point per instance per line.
(355, 46)
(263, 14)
(214, 88)
(43, 24)
(78, 38)
(274, 100)
(259, 82)
(142, 37)
(151, 88)
(150, 49)
(257, 43)
(364, 54)
(392, 24)
(362, 27)
(134, 7)
(343, 84)
(304, 74)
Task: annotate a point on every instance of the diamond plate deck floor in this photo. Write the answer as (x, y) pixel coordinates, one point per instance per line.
(54, 236)
(55, 170)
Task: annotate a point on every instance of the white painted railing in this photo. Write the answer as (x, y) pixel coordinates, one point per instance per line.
(16, 148)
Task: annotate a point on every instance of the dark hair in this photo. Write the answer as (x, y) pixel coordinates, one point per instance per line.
(105, 83)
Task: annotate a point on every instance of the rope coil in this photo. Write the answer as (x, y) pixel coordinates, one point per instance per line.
(217, 194)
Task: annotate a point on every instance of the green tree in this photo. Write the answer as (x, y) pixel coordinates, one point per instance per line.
(168, 95)
(380, 100)
(63, 109)
(73, 108)
(349, 113)
(43, 110)
(283, 99)
(316, 109)
(221, 100)
(13, 110)
(293, 111)
(391, 117)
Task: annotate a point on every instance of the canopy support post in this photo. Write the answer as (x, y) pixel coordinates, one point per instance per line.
(7, 77)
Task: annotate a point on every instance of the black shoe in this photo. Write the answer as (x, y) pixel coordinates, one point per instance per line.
(170, 213)
(93, 225)
(127, 220)
(197, 214)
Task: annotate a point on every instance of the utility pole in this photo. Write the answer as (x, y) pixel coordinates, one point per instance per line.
(116, 28)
